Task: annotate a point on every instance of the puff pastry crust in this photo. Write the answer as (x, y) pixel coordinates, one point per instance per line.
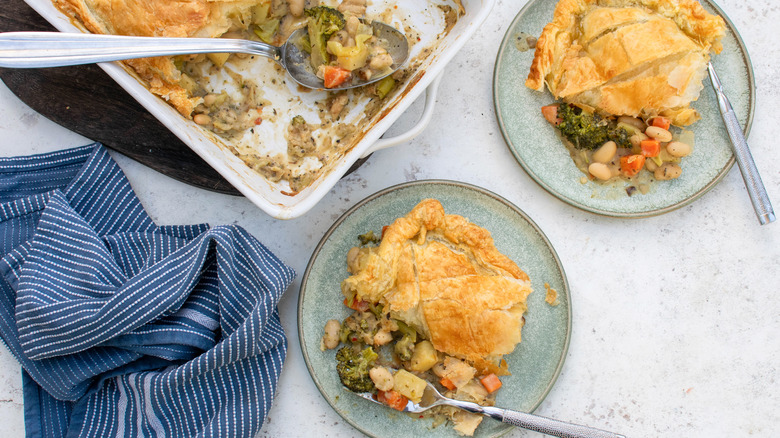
(444, 276)
(181, 18)
(627, 57)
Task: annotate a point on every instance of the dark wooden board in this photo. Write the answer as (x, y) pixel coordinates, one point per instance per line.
(86, 100)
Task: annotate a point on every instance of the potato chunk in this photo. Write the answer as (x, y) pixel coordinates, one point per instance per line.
(409, 385)
(424, 357)
(219, 59)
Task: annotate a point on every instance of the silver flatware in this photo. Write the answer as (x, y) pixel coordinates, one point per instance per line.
(432, 397)
(57, 49)
(755, 187)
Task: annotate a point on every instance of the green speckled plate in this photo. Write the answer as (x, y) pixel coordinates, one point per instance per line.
(539, 151)
(535, 363)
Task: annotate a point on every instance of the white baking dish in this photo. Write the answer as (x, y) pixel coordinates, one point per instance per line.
(276, 198)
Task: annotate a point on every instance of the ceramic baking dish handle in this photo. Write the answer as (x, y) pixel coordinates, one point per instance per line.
(425, 118)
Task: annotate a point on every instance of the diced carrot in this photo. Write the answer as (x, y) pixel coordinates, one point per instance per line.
(356, 304)
(550, 113)
(335, 76)
(392, 398)
(630, 165)
(650, 147)
(661, 122)
(447, 383)
(491, 382)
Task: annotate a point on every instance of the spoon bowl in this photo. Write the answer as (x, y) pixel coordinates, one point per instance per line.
(56, 49)
(296, 61)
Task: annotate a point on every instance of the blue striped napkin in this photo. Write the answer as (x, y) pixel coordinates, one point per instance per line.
(125, 328)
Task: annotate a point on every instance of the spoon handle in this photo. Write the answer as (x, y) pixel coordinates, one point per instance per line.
(548, 426)
(56, 49)
(755, 187)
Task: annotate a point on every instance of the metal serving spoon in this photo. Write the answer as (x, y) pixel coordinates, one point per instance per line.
(57, 49)
(432, 397)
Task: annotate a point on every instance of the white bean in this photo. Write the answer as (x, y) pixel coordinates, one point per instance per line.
(636, 140)
(352, 25)
(659, 134)
(678, 149)
(380, 62)
(382, 337)
(605, 153)
(633, 121)
(600, 171)
(667, 171)
(201, 119)
(209, 99)
(353, 260)
(382, 378)
(296, 7)
(330, 339)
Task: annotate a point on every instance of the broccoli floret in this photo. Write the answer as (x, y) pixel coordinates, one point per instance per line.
(589, 131)
(404, 348)
(353, 367)
(298, 121)
(323, 22)
(369, 237)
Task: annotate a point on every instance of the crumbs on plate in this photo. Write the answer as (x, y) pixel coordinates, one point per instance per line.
(551, 297)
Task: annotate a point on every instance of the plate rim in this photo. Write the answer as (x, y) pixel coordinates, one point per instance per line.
(433, 182)
(617, 214)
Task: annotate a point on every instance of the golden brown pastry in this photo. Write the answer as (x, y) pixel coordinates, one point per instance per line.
(639, 58)
(181, 18)
(443, 275)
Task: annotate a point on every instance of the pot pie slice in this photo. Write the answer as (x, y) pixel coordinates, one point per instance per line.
(443, 276)
(163, 18)
(639, 58)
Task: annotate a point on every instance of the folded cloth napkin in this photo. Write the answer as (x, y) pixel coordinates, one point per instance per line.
(126, 328)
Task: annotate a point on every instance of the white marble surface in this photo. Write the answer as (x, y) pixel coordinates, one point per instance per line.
(675, 317)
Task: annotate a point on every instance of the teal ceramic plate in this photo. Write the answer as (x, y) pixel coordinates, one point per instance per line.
(536, 147)
(534, 364)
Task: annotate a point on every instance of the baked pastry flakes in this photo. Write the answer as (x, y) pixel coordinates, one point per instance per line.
(164, 18)
(640, 58)
(443, 275)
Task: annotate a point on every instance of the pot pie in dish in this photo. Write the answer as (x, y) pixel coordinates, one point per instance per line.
(244, 103)
(625, 71)
(442, 299)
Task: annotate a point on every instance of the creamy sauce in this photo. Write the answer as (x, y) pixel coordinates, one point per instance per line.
(641, 182)
(524, 42)
(248, 117)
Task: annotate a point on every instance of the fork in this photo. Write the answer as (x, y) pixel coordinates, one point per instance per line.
(432, 397)
(753, 184)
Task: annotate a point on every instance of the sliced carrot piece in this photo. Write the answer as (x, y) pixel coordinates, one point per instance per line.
(661, 122)
(356, 304)
(650, 147)
(550, 113)
(447, 383)
(335, 76)
(392, 398)
(630, 165)
(491, 382)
